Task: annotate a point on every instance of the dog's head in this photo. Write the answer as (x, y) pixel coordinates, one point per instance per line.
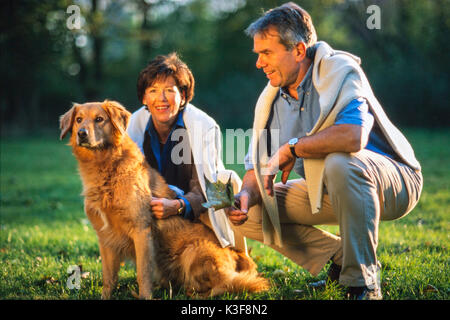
(95, 125)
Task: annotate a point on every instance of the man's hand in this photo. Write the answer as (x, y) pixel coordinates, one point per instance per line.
(163, 208)
(245, 199)
(282, 160)
(238, 213)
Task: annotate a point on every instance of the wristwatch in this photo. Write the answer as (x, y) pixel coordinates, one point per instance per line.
(292, 144)
(181, 208)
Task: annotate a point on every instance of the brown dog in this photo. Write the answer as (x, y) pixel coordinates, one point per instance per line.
(118, 187)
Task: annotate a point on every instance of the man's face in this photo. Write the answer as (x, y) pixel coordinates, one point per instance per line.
(280, 65)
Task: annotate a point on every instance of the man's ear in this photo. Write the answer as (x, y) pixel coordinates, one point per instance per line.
(119, 116)
(300, 48)
(66, 121)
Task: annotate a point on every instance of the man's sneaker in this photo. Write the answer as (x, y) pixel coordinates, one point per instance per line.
(364, 293)
(333, 276)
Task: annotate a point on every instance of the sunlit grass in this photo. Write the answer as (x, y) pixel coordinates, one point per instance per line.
(43, 231)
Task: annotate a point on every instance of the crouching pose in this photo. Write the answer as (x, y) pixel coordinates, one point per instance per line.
(325, 123)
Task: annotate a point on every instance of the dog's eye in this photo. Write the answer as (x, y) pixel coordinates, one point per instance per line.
(98, 119)
(79, 119)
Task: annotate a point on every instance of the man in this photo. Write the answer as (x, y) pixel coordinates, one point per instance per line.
(357, 167)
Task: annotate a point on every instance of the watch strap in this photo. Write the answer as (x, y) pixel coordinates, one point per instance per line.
(181, 208)
(292, 144)
(293, 151)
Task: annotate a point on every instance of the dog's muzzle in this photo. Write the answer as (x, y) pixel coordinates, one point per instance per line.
(82, 136)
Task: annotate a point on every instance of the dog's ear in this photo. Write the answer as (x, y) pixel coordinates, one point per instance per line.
(119, 116)
(66, 121)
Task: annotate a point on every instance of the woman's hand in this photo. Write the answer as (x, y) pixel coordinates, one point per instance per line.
(163, 208)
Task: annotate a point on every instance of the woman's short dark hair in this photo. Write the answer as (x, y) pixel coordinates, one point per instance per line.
(162, 67)
(293, 23)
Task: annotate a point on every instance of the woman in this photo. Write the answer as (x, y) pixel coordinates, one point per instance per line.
(182, 142)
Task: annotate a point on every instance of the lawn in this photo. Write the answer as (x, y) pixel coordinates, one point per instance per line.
(44, 231)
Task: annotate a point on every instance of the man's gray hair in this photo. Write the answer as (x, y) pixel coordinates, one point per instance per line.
(293, 24)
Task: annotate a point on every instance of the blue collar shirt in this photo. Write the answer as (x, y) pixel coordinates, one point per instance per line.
(162, 153)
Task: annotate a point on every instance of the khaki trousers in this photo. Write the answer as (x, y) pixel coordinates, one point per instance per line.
(361, 189)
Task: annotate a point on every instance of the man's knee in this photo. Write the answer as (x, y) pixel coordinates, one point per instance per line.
(255, 214)
(252, 228)
(341, 168)
(337, 166)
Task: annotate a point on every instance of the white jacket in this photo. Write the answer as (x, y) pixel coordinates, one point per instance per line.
(205, 139)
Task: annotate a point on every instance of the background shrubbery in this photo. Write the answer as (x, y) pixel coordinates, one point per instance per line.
(45, 66)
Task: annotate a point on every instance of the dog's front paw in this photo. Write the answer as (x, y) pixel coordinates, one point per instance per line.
(106, 294)
(145, 296)
(142, 296)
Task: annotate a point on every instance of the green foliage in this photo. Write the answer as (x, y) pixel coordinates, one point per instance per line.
(220, 195)
(45, 66)
(43, 231)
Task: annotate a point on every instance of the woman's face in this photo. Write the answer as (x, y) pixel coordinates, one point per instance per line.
(163, 99)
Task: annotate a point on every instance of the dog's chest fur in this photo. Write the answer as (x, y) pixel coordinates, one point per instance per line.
(117, 199)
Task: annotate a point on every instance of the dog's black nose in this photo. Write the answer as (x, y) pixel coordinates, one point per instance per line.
(82, 133)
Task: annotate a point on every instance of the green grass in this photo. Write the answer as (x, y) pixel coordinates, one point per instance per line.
(43, 231)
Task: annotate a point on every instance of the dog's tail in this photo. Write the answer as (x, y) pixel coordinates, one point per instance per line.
(248, 281)
(238, 282)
